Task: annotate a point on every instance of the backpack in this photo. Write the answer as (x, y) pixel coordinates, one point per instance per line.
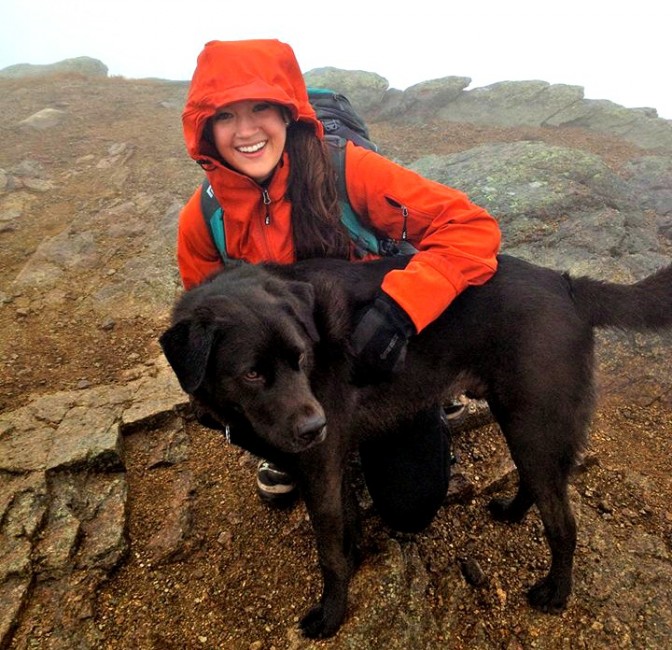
(339, 118)
(341, 124)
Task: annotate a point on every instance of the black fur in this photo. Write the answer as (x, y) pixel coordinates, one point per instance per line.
(265, 348)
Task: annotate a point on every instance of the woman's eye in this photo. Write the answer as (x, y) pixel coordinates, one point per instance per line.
(263, 106)
(223, 116)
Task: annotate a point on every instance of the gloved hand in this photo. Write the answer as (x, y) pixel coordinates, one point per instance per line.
(379, 341)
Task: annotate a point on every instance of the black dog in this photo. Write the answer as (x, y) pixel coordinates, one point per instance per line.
(265, 350)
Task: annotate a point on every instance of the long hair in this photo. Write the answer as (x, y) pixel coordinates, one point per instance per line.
(316, 215)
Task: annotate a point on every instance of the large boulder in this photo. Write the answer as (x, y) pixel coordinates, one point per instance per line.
(558, 207)
(365, 90)
(651, 180)
(82, 65)
(511, 103)
(423, 100)
(641, 126)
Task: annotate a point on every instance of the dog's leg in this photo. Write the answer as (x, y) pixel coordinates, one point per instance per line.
(509, 509)
(335, 528)
(550, 594)
(548, 489)
(543, 454)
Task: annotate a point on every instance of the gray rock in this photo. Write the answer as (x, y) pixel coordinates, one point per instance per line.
(424, 100)
(558, 207)
(400, 616)
(55, 255)
(171, 541)
(172, 448)
(14, 595)
(87, 437)
(507, 103)
(389, 108)
(365, 90)
(511, 103)
(650, 178)
(82, 65)
(44, 119)
(146, 284)
(639, 126)
(63, 496)
(29, 168)
(23, 504)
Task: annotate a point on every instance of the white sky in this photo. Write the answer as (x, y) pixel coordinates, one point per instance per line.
(616, 51)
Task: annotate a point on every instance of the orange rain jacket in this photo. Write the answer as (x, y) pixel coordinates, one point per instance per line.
(457, 240)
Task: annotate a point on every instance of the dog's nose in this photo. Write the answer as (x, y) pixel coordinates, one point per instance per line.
(312, 428)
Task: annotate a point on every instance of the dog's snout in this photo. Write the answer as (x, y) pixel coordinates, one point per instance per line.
(312, 428)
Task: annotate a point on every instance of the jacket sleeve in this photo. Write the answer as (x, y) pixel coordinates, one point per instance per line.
(197, 256)
(457, 241)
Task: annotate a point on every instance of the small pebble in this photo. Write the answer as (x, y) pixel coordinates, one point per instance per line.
(473, 573)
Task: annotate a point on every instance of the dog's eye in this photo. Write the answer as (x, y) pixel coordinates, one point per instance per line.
(253, 375)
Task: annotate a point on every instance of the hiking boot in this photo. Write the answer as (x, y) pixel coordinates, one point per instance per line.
(454, 411)
(274, 486)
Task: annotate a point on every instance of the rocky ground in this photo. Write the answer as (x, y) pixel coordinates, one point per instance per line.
(152, 537)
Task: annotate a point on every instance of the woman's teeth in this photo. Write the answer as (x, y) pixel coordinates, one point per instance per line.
(252, 148)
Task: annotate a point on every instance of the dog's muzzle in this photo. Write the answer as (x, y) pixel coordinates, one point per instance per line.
(312, 430)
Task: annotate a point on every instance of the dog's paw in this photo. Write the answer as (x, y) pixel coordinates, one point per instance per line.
(506, 510)
(510, 510)
(549, 596)
(317, 624)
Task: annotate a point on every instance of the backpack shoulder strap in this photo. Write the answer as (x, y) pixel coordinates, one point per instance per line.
(365, 241)
(212, 213)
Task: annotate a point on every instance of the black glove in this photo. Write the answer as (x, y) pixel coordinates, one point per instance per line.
(379, 341)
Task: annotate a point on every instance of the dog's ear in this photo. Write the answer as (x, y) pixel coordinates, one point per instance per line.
(187, 346)
(303, 305)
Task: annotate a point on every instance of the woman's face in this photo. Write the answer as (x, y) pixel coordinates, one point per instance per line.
(250, 136)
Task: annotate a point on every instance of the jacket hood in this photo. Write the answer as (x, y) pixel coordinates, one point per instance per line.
(232, 71)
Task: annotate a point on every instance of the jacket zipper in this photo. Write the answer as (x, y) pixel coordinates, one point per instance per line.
(267, 201)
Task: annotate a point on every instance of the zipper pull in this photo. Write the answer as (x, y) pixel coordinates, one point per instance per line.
(404, 214)
(267, 201)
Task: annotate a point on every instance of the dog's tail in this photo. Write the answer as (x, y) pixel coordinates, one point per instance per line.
(645, 305)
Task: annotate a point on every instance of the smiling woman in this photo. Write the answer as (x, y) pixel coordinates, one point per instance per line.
(250, 137)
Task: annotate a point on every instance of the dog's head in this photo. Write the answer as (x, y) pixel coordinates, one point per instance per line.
(243, 343)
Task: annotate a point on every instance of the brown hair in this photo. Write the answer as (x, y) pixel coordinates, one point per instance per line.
(316, 215)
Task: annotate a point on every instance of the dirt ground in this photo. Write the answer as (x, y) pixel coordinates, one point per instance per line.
(247, 573)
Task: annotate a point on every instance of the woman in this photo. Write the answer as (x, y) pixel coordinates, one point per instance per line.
(249, 124)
